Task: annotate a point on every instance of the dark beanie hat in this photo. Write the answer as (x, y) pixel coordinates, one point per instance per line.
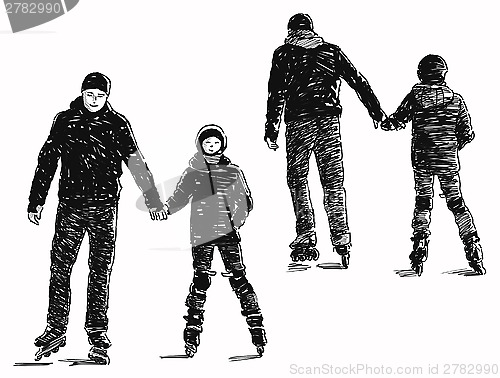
(432, 68)
(211, 131)
(300, 21)
(96, 80)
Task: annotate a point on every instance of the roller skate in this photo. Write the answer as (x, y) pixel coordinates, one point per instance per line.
(99, 355)
(257, 332)
(419, 253)
(194, 321)
(192, 339)
(344, 252)
(49, 342)
(100, 343)
(303, 247)
(474, 255)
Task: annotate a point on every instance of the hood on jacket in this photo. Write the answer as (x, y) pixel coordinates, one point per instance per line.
(208, 131)
(432, 95)
(77, 104)
(304, 38)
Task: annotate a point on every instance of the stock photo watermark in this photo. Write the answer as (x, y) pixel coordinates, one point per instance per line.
(25, 15)
(367, 369)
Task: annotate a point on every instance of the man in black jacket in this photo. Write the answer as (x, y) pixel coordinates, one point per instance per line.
(92, 141)
(305, 81)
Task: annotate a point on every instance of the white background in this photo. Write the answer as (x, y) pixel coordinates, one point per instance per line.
(176, 66)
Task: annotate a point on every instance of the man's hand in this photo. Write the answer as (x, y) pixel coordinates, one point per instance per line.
(377, 124)
(158, 215)
(35, 217)
(271, 144)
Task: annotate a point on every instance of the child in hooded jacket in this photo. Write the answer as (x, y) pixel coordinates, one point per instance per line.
(441, 127)
(220, 203)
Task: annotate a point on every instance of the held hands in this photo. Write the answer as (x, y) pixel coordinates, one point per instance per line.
(271, 144)
(390, 124)
(158, 215)
(35, 217)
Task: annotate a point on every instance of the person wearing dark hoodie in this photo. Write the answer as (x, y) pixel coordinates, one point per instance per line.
(305, 80)
(92, 141)
(441, 127)
(220, 203)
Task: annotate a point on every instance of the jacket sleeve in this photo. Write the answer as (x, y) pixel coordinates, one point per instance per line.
(143, 177)
(464, 131)
(275, 98)
(404, 112)
(241, 202)
(182, 194)
(47, 164)
(360, 85)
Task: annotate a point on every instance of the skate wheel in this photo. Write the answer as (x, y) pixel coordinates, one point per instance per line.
(47, 354)
(345, 261)
(63, 343)
(315, 256)
(418, 269)
(190, 350)
(478, 267)
(38, 358)
(55, 350)
(260, 351)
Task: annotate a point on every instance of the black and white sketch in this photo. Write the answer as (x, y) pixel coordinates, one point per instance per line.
(220, 203)
(441, 126)
(92, 141)
(305, 81)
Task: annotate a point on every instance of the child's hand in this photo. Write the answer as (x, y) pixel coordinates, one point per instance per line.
(158, 215)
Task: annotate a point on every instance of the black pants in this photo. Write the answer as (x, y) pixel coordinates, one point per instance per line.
(320, 135)
(71, 225)
(233, 262)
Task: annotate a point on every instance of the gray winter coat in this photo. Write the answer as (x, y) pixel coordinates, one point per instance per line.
(220, 200)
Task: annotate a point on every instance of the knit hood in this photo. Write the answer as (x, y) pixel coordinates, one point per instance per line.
(208, 131)
(432, 95)
(304, 38)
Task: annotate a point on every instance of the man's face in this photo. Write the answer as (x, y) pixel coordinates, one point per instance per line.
(94, 99)
(211, 145)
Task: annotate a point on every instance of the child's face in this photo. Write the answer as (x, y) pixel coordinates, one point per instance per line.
(211, 145)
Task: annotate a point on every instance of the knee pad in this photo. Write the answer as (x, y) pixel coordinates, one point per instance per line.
(423, 203)
(456, 205)
(240, 284)
(201, 280)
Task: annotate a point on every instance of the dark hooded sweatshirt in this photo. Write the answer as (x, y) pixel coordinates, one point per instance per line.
(440, 127)
(220, 200)
(306, 82)
(92, 147)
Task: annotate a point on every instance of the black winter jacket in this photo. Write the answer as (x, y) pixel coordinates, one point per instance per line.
(92, 147)
(440, 127)
(306, 81)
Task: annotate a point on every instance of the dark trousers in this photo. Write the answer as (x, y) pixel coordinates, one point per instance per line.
(320, 135)
(233, 262)
(71, 225)
(450, 186)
